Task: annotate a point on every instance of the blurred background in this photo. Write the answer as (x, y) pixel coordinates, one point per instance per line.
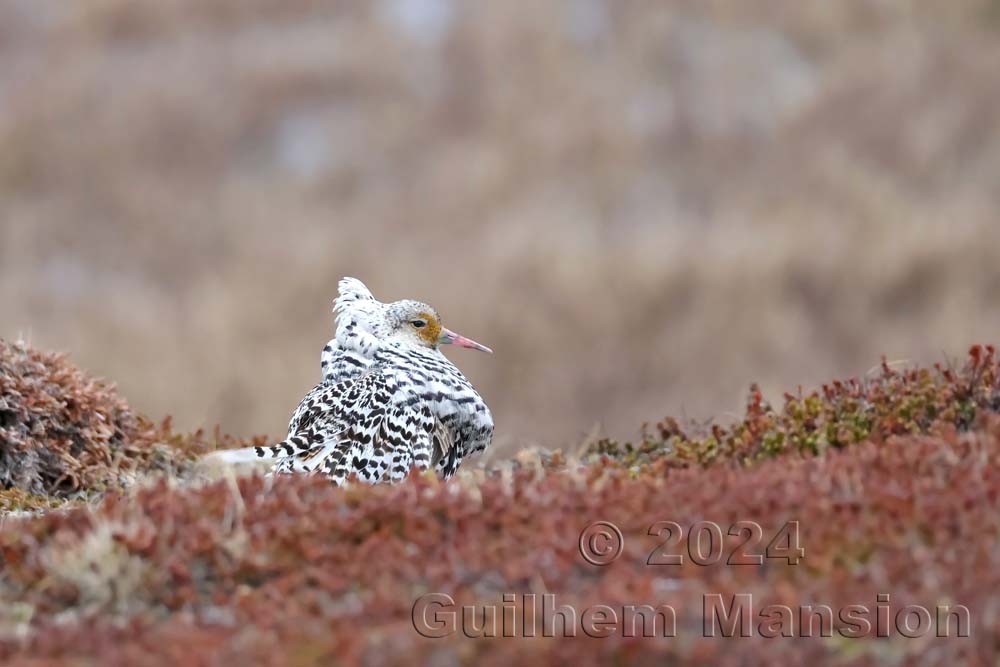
(642, 207)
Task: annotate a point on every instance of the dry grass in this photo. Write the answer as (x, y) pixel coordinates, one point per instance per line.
(642, 207)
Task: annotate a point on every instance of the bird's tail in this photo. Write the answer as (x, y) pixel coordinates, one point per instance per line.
(288, 447)
(244, 455)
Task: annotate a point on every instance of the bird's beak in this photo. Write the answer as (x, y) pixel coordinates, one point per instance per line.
(449, 337)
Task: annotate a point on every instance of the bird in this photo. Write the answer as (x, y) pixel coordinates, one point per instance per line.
(388, 401)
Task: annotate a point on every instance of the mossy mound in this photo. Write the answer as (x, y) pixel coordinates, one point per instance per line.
(64, 434)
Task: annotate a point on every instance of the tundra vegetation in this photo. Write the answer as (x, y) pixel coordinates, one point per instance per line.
(116, 546)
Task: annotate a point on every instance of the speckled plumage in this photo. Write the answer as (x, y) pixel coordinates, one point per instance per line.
(389, 399)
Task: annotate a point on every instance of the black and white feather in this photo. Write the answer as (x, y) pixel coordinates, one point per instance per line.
(389, 399)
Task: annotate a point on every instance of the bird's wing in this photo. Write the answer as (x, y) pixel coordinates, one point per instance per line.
(365, 426)
(446, 456)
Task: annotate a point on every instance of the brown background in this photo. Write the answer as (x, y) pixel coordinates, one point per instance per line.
(642, 207)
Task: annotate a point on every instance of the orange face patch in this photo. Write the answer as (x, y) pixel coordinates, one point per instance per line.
(432, 331)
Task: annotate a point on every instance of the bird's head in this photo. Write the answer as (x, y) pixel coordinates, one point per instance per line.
(416, 323)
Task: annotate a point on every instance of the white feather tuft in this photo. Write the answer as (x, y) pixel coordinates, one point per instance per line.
(245, 455)
(351, 290)
(358, 311)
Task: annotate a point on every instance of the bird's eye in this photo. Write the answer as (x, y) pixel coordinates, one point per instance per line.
(419, 324)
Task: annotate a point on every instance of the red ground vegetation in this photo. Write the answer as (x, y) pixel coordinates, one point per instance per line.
(294, 571)
(64, 434)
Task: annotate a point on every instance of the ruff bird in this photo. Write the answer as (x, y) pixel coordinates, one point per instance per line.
(389, 399)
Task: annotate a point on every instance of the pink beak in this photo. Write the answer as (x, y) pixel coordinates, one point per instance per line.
(449, 337)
